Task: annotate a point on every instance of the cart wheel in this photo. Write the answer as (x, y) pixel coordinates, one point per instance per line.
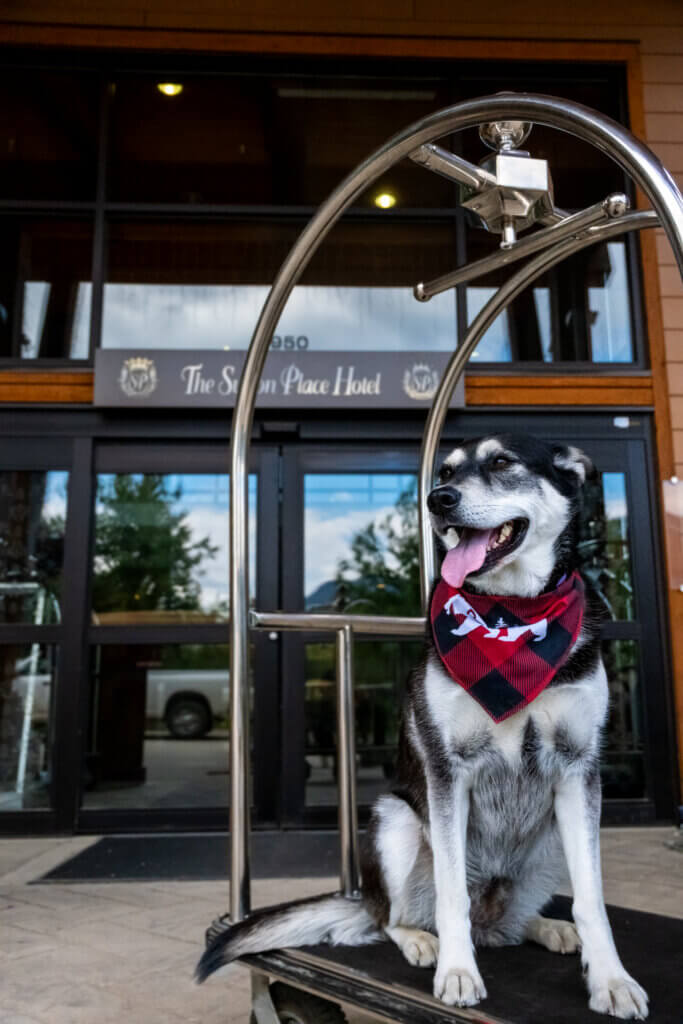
(296, 1007)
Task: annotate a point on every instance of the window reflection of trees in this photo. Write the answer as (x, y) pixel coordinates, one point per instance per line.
(146, 555)
(604, 545)
(32, 524)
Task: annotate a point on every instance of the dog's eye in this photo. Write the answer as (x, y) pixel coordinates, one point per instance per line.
(501, 462)
(445, 473)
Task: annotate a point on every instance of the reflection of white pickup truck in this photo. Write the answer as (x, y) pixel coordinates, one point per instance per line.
(188, 700)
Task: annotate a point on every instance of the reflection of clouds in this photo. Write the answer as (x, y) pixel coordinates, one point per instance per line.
(54, 500)
(611, 330)
(614, 494)
(221, 316)
(213, 572)
(204, 505)
(328, 539)
(36, 298)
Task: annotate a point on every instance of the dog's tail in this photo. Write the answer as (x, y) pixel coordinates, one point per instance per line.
(330, 919)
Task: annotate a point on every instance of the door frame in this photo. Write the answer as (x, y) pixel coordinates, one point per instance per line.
(176, 457)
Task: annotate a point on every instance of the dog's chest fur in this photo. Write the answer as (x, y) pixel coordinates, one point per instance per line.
(510, 767)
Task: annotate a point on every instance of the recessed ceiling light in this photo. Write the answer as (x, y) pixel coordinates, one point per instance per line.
(385, 200)
(170, 88)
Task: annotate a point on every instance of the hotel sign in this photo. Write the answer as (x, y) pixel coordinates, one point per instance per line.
(299, 380)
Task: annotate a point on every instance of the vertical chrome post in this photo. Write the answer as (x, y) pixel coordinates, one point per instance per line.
(346, 765)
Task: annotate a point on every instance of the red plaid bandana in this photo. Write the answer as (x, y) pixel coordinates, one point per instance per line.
(505, 650)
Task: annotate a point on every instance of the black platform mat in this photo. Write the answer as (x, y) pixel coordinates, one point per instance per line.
(528, 985)
(200, 857)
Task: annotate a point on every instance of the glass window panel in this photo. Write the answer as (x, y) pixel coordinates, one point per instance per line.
(158, 728)
(28, 676)
(161, 547)
(494, 346)
(263, 140)
(609, 307)
(623, 755)
(45, 288)
(48, 124)
(605, 544)
(578, 311)
(360, 543)
(32, 524)
(189, 285)
(380, 671)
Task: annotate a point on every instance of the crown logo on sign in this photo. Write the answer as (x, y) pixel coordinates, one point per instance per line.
(138, 377)
(421, 382)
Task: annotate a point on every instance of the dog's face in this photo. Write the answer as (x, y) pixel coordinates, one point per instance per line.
(505, 509)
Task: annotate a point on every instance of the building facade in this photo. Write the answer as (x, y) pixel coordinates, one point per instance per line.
(156, 164)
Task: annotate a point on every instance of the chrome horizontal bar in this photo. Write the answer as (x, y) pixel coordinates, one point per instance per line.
(379, 625)
(613, 206)
(448, 165)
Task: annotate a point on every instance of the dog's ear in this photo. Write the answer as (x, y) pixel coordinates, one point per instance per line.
(573, 461)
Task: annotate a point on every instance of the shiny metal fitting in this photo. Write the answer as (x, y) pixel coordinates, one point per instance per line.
(504, 136)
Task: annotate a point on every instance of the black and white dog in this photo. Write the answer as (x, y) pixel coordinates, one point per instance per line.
(498, 758)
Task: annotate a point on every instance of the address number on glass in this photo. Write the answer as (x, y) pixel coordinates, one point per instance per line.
(289, 342)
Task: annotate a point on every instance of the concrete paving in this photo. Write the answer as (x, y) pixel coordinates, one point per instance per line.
(125, 951)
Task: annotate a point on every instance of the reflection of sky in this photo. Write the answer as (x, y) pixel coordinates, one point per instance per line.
(611, 332)
(205, 500)
(495, 346)
(614, 492)
(224, 316)
(54, 500)
(338, 505)
(36, 297)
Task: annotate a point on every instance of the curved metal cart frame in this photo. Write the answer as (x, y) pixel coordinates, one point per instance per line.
(561, 235)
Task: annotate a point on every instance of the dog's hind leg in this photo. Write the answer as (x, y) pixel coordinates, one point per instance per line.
(557, 936)
(406, 865)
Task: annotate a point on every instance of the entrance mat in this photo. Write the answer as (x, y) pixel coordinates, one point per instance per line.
(528, 985)
(199, 857)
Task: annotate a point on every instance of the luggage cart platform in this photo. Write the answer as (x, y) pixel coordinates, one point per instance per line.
(526, 984)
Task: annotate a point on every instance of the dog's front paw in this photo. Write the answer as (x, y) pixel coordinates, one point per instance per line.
(459, 987)
(620, 997)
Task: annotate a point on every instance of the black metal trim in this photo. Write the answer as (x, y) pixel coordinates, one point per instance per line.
(18, 633)
(131, 635)
(99, 245)
(72, 686)
(30, 823)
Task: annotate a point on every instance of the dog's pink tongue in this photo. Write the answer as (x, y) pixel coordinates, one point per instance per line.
(466, 557)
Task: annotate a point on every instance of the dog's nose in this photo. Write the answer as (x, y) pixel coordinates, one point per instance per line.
(443, 500)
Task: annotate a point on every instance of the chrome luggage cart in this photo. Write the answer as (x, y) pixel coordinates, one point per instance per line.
(509, 193)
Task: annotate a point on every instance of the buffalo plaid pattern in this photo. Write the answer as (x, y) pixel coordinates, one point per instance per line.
(505, 650)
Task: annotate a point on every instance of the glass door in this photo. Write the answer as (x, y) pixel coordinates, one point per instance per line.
(354, 516)
(158, 686)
